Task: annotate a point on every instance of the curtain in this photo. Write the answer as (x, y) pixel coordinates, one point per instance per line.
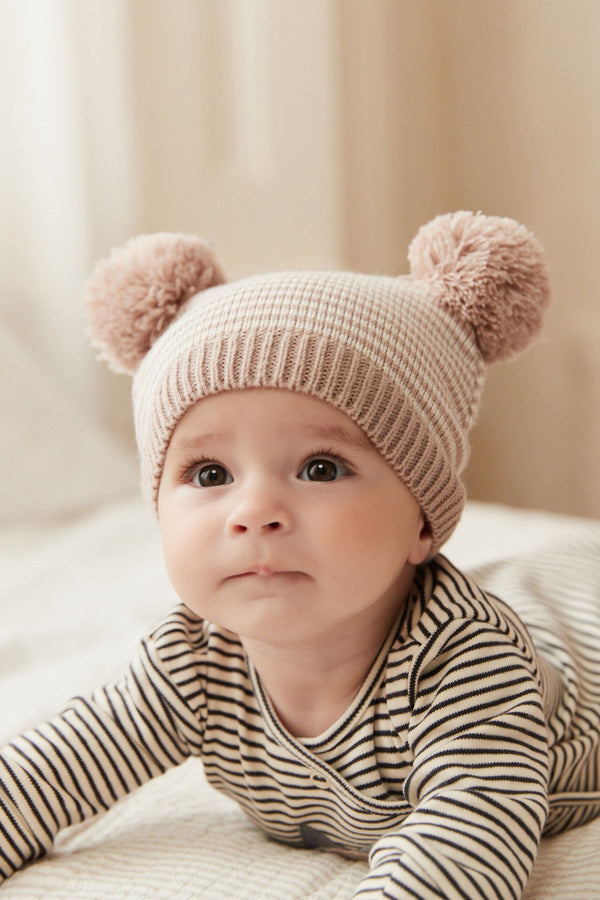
(299, 133)
(67, 188)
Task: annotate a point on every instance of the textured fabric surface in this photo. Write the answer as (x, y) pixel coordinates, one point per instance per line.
(69, 613)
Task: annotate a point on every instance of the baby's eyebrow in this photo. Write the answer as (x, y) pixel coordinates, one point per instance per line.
(197, 441)
(327, 433)
(336, 434)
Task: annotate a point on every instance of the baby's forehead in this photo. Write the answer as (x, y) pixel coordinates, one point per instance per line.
(290, 413)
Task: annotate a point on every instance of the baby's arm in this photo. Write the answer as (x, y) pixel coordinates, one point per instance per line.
(479, 783)
(84, 760)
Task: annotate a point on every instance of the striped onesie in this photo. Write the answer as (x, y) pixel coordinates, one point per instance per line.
(464, 743)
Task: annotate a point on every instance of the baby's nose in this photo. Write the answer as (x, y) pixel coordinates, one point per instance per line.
(241, 527)
(261, 513)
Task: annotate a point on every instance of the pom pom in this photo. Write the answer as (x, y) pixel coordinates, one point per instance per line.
(136, 292)
(489, 271)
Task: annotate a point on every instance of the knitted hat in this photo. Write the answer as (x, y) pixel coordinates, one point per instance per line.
(404, 357)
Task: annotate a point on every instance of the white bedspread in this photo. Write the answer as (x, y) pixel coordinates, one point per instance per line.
(75, 598)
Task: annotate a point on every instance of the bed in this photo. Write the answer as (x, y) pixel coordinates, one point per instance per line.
(82, 579)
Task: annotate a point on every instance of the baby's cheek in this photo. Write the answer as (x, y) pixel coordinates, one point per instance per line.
(179, 562)
(365, 529)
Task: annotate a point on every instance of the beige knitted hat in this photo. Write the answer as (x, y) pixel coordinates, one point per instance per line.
(403, 357)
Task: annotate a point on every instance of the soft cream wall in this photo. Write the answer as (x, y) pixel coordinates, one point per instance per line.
(527, 89)
(323, 133)
(238, 124)
(492, 106)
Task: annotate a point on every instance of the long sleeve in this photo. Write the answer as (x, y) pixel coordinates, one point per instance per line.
(478, 788)
(99, 749)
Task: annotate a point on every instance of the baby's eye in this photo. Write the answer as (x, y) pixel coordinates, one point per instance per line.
(322, 469)
(212, 475)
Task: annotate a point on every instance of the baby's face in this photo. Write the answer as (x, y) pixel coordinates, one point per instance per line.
(281, 522)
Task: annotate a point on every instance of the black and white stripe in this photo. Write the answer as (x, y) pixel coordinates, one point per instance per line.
(443, 768)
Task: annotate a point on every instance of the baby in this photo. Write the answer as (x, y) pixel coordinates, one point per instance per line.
(302, 437)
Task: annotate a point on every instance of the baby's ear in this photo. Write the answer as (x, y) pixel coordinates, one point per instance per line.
(134, 294)
(421, 549)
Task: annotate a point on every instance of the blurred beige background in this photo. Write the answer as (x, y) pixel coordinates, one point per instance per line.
(308, 133)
